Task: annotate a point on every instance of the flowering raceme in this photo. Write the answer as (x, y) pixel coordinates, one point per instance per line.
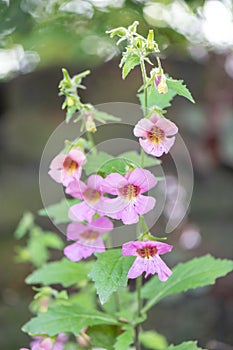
(154, 134)
(88, 238)
(147, 258)
(66, 168)
(91, 194)
(130, 201)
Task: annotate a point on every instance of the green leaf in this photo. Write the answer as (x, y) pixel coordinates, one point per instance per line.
(124, 340)
(198, 272)
(66, 318)
(37, 250)
(105, 117)
(103, 336)
(25, 224)
(188, 345)
(180, 88)
(135, 158)
(95, 162)
(131, 62)
(156, 100)
(59, 212)
(115, 165)
(52, 240)
(64, 272)
(153, 340)
(110, 272)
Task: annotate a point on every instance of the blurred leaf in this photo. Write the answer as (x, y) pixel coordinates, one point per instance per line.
(37, 250)
(198, 272)
(52, 240)
(59, 212)
(66, 318)
(180, 88)
(110, 272)
(153, 340)
(131, 62)
(95, 162)
(135, 158)
(64, 272)
(25, 224)
(124, 340)
(189, 345)
(104, 117)
(103, 336)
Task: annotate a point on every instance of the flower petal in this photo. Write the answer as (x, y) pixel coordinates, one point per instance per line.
(113, 182)
(129, 248)
(81, 211)
(78, 156)
(77, 251)
(76, 189)
(95, 182)
(74, 230)
(161, 268)
(142, 178)
(144, 204)
(57, 162)
(137, 268)
(128, 215)
(167, 126)
(162, 247)
(103, 225)
(142, 127)
(112, 207)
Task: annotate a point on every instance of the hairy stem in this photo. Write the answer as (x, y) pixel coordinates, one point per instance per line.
(91, 140)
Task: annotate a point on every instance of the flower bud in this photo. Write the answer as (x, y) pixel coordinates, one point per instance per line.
(150, 40)
(83, 339)
(89, 123)
(160, 83)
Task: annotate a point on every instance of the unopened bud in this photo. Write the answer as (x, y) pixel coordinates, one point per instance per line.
(150, 40)
(83, 339)
(70, 101)
(160, 84)
(89, 123)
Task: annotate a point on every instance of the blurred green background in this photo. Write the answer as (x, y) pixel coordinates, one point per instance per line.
(38, 38)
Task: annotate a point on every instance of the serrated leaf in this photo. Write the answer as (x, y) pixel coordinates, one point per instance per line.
(64, 272)
(188, 345)
(66, 318)
(180, 88)
(124, 340)
(131, 62)
(154, 99)
(110, 272)
(25, 224)
(59, 212)
(153, 340)
(135, 158)
(95, 162)
(198, 272)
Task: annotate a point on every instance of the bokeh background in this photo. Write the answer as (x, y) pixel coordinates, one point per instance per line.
(38, 38)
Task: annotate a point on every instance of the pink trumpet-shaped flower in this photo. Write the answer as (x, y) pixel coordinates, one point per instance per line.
(88, 238)
(66, 168)
(130, 201)
(147, 258)
(91, 194)
(155, 135)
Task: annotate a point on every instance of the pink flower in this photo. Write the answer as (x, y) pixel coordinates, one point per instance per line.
(43, 343)
(155, 132)
(147, 258)
(91, 194)
(88, 238)
(65, 168)
(129, 203)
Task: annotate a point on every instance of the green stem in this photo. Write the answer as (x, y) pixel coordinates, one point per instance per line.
(144, 78)
(91, 140)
